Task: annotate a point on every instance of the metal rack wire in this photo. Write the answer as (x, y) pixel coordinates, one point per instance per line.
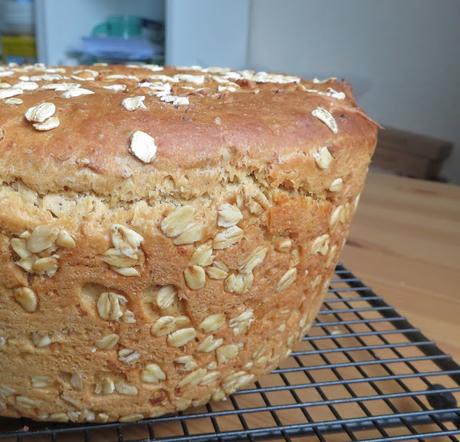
(363, 373)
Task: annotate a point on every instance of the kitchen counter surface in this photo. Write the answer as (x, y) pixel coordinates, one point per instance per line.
(405, 244)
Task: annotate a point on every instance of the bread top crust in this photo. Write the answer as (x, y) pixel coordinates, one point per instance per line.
(225, 121)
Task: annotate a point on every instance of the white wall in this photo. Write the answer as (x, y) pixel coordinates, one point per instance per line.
(62, 23)
(402, 56)
(207, 32)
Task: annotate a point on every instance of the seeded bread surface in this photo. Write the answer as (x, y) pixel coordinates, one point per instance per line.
(166, 235)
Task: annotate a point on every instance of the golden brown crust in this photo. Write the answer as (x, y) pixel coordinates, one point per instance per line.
(232, 211)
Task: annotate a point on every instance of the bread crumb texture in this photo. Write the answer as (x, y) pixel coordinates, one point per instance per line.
(166, 234)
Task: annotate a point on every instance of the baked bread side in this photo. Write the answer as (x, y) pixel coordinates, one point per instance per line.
(164, 251)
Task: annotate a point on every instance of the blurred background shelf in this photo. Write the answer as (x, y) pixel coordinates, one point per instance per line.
(60, 25)
(194, 30)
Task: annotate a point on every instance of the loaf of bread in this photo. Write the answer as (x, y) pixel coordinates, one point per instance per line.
(167, 234)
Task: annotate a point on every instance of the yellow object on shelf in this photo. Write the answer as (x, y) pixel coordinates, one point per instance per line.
(19, 48)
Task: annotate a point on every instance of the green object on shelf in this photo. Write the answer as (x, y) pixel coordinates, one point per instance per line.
(126, 26)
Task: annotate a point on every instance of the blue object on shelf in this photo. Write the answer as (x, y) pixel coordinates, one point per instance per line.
(119, 48)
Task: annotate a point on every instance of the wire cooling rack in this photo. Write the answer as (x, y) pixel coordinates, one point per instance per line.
(363, 373)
